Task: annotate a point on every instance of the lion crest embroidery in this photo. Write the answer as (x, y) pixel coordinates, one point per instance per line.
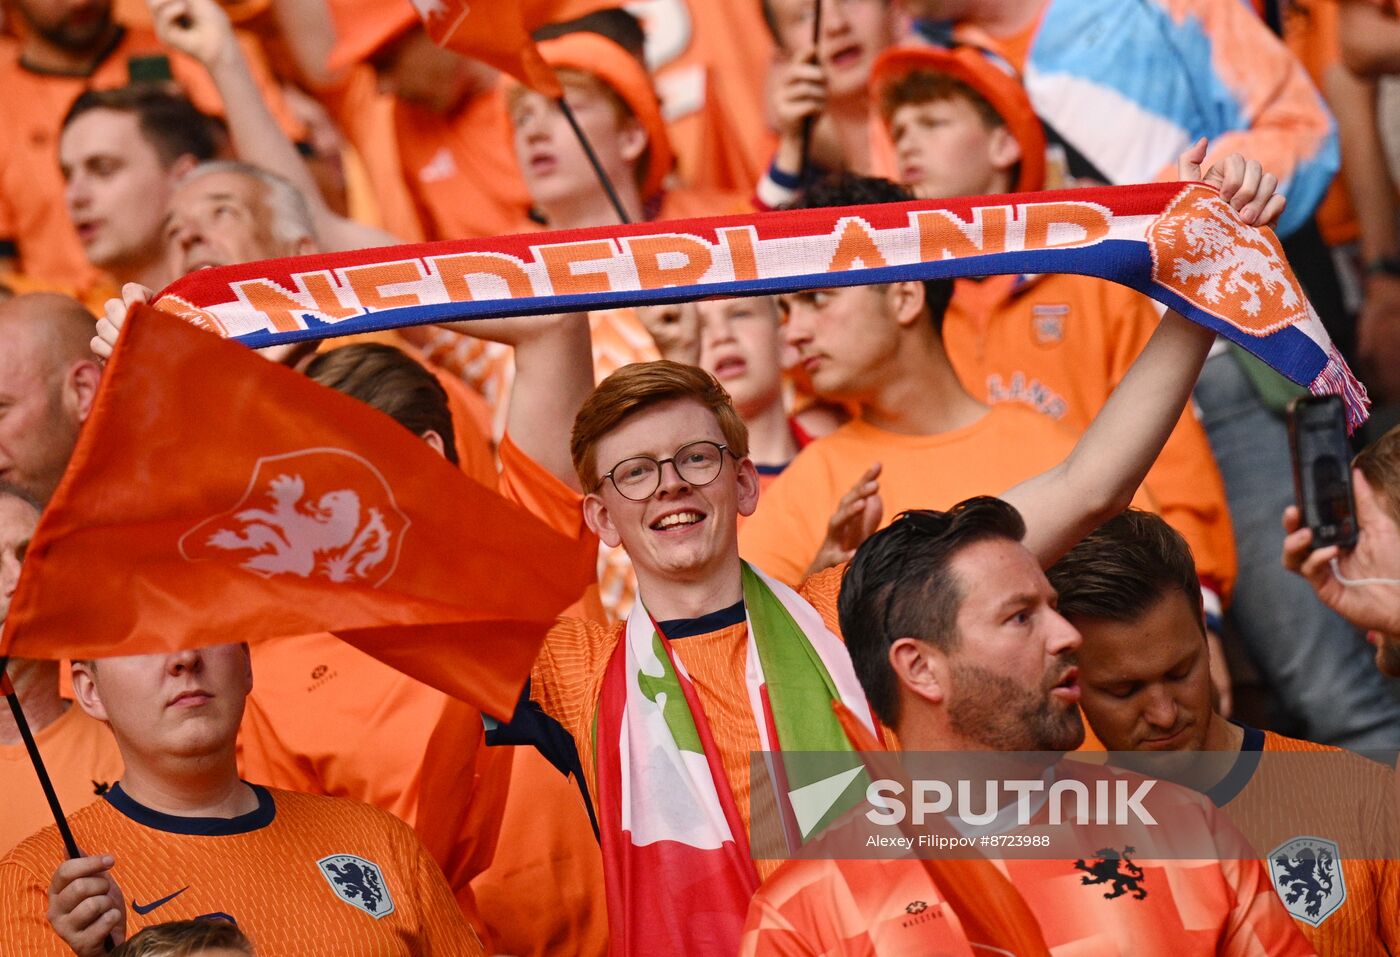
(1202, 252)
(358, 882)
(1114, 868)
(1307, 874)
(323, 513)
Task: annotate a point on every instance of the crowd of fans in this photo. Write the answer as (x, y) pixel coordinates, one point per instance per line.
(789, 496)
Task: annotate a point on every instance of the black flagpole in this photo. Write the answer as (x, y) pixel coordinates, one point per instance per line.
(804, 168)
(64, 831)
(593, 160)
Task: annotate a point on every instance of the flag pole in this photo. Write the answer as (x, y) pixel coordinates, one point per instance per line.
(25, 732)
(593, 160)
(804, 168)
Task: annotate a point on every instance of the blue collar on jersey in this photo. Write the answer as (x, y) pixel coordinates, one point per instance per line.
(1251, 750)
(258, 818)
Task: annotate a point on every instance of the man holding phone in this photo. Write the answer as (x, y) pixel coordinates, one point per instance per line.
(1362, 584)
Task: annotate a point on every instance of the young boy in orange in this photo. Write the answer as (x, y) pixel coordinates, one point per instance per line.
(961, 126)
(1129, 588)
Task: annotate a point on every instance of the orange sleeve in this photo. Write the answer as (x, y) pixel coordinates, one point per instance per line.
(470, 438)
(822, 591)
(1184, 482)
(564, 677)
(442, 930)
(24, 904)
(534, 488)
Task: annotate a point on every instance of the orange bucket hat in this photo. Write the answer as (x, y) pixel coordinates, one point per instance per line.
(364, 27)
(598, 56)
(996, 85)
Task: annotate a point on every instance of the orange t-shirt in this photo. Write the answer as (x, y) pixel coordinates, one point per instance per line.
(300, 875)
(1060, 344)
(310, 689)
(567, 682)
(1006, 446)
(435, 176)
(546, 841)
(33, 213)
(707, 56)
(82, 760)
(1343, 805)
(893, 908)
(1218, 901)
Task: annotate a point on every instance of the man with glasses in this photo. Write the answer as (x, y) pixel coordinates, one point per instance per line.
(717, 660)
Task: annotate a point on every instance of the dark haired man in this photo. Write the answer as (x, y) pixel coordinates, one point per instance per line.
(1130, 588)
(953, 631)
(122, 153)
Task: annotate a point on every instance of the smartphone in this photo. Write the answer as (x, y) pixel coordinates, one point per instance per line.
(1317, 436)
(149, 69)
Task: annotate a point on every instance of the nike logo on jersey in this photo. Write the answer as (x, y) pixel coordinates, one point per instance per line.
(147, 908)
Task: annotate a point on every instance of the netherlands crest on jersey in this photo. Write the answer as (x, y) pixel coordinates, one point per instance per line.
(358, 882)
(1307, 873)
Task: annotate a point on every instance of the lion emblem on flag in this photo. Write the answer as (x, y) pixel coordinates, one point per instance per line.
(323, 513)
(1205, 254)
(358, 882)
(1307, 874)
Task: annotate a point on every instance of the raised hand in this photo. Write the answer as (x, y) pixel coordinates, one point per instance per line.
(855, 519)
(114, 315)
(1242, 183)
(675, 329)
(197, 28)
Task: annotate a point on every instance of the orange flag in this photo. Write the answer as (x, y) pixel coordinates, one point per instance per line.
(493, 31)
(215, 496)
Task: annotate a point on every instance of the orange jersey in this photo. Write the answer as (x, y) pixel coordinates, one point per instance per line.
(33, 213)
(567, 680)
(1114, 904)
(1060, 344)
(82, 760)
(435, 176)
(1004, 447)
(546, 841)
(1310, 831)
(299, 875)
(894, 909)
(707, 56)
(309, 690)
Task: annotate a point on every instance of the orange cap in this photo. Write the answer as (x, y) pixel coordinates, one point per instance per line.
(1000, 88)
(595, 54)
(364, 27)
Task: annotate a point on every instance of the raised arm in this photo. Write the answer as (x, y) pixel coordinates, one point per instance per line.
(1098, 478)
(201, 30)
(553, 375)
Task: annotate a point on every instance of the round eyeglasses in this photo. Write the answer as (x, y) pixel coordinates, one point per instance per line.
(638, 478)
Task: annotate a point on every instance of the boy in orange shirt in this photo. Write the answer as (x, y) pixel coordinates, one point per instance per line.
(1057, 343)
(1130, 590)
